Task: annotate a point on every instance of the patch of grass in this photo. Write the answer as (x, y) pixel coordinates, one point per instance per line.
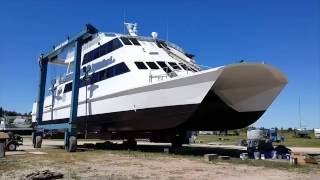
(289, 139)
(228, 140)
(8, 165)
(292, 141)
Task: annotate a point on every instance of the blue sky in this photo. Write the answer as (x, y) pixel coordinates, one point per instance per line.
(282, 33)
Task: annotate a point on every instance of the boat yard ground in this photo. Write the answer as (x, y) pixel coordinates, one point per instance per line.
(148, 161)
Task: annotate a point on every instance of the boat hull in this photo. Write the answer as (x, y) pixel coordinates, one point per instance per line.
(224, 98)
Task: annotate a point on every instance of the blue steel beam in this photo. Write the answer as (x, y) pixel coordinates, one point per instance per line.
(89, 30)
(43, 63)
(75, 85)
(54, 126)
(71, 129)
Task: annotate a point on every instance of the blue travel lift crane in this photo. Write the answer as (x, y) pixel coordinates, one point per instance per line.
(70, 128)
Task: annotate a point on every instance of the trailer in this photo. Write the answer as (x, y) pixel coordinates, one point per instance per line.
(317, 133)
(15, 127)
(301, 133)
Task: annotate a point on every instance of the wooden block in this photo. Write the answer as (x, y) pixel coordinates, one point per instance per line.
(293, 160)
(3, 135)
(210, 157)
(300, 158)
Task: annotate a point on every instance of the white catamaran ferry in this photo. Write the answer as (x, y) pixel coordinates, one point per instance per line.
(135, 84)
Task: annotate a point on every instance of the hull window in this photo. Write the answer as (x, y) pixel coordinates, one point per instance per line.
(110, 72)
(141, 65)
(174, 65)
(152, 65)
(164, 66)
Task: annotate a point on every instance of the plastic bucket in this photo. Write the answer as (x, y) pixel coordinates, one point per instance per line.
(256, 155)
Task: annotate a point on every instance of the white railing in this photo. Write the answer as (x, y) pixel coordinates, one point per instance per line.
(203, 67)
(171, 72)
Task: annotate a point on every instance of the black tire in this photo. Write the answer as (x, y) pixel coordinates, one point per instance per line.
(130, 143)
(72, 144)
(176, 144)
(38, 142)
(179, 139)
(11, 146)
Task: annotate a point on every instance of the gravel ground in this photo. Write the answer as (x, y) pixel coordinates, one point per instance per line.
(123, 164)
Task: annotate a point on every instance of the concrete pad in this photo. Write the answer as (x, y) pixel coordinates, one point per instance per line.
(308, 150)
(9, 153)
(224, 157)
(37, 152)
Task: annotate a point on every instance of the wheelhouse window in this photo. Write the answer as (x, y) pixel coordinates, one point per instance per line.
(183, 66)
(130, 41)
(194, 70)
(125, 41)
(174, 65)
(162, 44)
(152, 65)
(102, 50)
(141, 65)
(164, 66)
(134, 41)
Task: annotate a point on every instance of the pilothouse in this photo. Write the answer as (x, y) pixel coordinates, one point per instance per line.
(136, 86)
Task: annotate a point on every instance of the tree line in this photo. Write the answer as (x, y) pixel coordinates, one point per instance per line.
(4, 112)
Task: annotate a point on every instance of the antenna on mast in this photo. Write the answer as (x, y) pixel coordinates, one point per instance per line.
(167, 31)
(124, 21)
(299, 108)
(132, 28)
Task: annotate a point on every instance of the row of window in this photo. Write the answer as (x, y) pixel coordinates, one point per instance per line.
(130, 41)
(102, 50)
(161, 44)
(109, 72)
(163, 65)
(108, 47)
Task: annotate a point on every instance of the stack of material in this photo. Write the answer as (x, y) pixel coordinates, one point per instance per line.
(303, 158)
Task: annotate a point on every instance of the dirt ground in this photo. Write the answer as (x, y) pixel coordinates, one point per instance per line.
(136, 164)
